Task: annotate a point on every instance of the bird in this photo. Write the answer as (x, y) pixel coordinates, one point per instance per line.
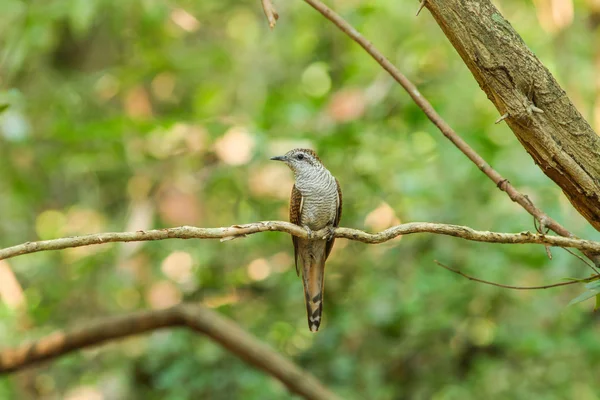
(315, 204)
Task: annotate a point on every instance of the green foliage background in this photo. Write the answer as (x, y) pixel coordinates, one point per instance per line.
(147, 114)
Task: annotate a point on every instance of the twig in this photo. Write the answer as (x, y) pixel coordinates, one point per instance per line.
(471, 278)
(270, 13)
(421, 7)
(502, 118)
(542, 230)
(439, 122)
(228, 233)
(193, 316)
(583, 260)
(536, 109)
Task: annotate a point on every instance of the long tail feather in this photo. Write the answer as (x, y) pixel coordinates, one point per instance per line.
(313, 275)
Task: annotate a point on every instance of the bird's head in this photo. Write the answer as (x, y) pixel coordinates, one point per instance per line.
(300, 160)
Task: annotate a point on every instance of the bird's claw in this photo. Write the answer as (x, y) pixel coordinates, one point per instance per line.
(330, 233)
(309, 232)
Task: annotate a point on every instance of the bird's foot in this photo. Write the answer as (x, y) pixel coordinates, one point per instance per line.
(309, 232)
(330, 233)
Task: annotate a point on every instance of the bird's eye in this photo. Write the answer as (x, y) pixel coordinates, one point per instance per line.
(300, 156)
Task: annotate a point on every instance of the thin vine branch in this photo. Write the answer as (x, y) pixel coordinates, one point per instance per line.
(583, 260)
(237, 231)
(472, 278)
(501, 182)
(193, 316)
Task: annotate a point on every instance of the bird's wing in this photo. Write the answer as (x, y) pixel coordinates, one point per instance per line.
(296, 202)
(338, 217)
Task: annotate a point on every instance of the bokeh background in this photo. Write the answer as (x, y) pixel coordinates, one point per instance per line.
(148, 114)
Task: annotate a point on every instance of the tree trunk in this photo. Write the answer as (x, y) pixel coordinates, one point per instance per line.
(540, 114)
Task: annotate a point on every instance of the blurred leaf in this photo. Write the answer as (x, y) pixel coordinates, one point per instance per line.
(593, 290)
(81, 15)
(595, 284)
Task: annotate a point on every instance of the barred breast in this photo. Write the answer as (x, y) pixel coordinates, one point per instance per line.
(319, 196)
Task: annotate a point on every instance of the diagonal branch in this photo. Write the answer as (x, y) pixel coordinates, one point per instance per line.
(236, 231)
(195, 317)
(540, 114)
(502, 183)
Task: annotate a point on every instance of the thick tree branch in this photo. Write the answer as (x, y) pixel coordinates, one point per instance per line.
(235, 231)
(440, 123)
(195, 317)
(538, 110)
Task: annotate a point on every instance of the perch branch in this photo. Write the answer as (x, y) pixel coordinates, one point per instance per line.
(193, 316)
(502, 183)
(235, 231)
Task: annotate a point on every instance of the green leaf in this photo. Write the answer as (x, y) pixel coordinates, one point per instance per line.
(593, 289)
(570, 279)
(586, 295)
(593, 285)
(81, 15)
(4, 107)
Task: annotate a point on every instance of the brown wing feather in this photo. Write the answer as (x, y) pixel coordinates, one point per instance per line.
(295, 213)
(336, 222)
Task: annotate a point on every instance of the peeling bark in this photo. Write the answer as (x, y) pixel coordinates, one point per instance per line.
(558, 138)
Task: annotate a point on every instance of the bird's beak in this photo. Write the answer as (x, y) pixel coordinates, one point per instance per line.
(279, 158)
